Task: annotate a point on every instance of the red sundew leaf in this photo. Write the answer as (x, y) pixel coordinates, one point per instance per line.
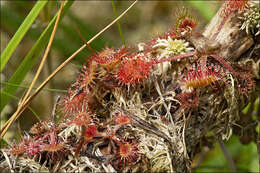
(52, 147)
(199, 76)
(128, 152)
(123, 119)
(83, 118)
(109, 57)
(17, 149)
(229, 7)
(246, 83)
(135, 68)
(233, 5)
(34, 147)
(75, 102)
(225, 64)
(86, 76)
(90, 132)
(171, 33)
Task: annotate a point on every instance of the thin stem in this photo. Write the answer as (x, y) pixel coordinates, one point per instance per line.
(44, 56)
(83, 39)
(227, 155)
(225, 64)
(176, 57)
(23, 102)
(16, 98)
(34, 88)
(118, 23)
(54, 110)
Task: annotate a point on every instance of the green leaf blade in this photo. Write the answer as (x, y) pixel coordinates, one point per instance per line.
(22, 30)
(30, 59)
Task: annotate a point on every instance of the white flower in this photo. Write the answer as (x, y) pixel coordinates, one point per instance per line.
(167, 48)
(170, 47)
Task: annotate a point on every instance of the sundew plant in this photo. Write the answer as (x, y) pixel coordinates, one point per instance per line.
(185, 99)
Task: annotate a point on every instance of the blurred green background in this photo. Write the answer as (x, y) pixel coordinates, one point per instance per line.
(145, 20)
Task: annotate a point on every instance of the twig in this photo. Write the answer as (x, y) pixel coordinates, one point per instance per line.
(145, 125)
(176, 57)
(227, 155)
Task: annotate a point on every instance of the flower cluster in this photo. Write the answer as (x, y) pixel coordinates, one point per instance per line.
(169, 47)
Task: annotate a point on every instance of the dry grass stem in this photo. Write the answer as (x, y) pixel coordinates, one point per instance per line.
(23, 106)
(22, 102)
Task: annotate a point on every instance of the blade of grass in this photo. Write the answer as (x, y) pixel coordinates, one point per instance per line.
(118, 23)
(31, 109)
(28, 101)
(11, 19)
(34, 88)
(30, 59)
(44, 56)
(22, 101)
(18, 36)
